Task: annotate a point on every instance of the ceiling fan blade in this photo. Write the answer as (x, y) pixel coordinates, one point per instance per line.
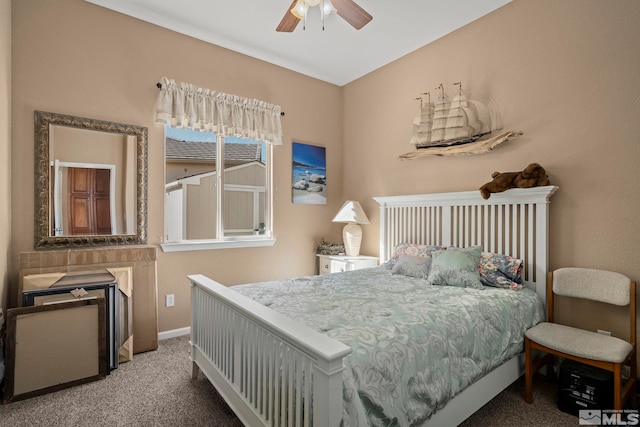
(352, 13)
(289, 20)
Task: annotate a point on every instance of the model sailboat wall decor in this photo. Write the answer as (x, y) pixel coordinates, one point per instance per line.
(450, 122)
(458, 126)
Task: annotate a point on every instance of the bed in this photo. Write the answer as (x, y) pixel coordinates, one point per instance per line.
(277, 363)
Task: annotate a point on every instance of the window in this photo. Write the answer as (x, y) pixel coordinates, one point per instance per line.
(218, 203)
(212, 204)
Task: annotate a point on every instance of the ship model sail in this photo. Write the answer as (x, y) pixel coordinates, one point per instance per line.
(450, 122)
(423, 122)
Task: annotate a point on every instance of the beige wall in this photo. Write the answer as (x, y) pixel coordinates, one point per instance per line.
(5, 146)
(73, 57)
(564, 72)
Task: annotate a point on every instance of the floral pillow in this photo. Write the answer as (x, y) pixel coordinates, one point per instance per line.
(456, 267)
(500, 271)
(414, 266)
(412, 249)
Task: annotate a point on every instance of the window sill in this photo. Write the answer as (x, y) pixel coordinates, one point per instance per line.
(200, 245)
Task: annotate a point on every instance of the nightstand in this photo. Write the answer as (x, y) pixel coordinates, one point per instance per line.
(338, 263)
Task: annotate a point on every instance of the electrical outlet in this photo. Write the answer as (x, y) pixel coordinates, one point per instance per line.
(600, 331)
(170, 301)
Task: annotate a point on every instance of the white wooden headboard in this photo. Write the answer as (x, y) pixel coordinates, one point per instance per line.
(515, 222)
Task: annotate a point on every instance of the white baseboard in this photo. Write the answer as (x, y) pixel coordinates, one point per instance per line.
(174, 333)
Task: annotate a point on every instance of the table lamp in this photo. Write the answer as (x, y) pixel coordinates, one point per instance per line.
(351, 213)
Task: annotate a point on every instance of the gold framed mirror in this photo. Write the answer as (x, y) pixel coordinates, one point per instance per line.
(90, 182)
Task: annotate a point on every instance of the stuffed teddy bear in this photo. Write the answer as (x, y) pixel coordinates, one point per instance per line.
(534, 175)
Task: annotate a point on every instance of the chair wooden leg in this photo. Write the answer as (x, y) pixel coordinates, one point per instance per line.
(617, 386)
(528, 374)
(634, 376)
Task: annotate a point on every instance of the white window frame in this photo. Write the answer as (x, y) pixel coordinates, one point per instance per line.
(228, 242)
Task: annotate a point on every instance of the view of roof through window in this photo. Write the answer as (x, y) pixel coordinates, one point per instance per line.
(187, 143)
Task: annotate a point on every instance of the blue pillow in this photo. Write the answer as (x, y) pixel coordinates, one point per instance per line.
(456, 267)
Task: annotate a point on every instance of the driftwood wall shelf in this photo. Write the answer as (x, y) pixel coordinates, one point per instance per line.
(478, 147)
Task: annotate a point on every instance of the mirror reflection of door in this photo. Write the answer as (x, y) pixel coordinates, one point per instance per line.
(84, 199)
(89, 211)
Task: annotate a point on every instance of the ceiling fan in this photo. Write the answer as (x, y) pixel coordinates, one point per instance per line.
(346, 9)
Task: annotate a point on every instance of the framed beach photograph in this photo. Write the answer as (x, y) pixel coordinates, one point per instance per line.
(309, 173)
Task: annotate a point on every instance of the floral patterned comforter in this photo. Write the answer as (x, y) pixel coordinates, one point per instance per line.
(415, 346)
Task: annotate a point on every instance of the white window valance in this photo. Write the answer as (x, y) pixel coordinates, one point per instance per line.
(187, 106)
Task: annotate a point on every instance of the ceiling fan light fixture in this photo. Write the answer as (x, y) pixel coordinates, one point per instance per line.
(300, 9)
(348, 10)
(327, 7)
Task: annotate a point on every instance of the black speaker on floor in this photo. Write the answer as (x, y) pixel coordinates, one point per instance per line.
(584, 387)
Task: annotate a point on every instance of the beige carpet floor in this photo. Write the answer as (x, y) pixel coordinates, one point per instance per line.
(155, 389)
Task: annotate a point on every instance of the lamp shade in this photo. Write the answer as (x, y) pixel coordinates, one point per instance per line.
(351, 211)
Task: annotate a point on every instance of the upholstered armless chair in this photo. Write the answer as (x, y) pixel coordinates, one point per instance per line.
(588, 347)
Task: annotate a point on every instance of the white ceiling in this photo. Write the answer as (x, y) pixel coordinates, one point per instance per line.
(338, 55)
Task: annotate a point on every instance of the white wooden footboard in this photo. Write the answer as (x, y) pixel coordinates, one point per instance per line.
(271, 371)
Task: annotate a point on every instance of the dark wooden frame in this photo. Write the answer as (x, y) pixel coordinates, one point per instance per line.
(12, 318)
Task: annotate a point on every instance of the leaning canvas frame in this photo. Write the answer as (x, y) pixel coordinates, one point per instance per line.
(123, 277)
(110, 293)
(309, 174)
(53, 347)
